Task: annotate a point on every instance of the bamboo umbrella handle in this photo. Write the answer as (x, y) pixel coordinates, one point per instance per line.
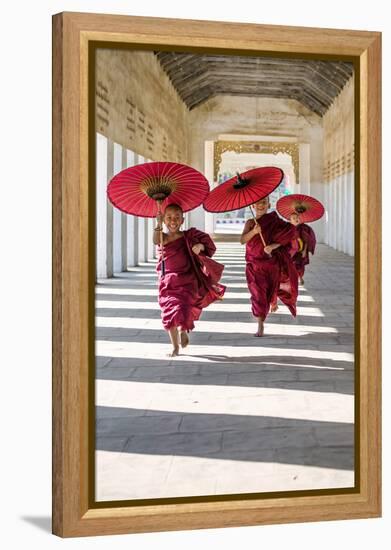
(255, 220)
(159, 211)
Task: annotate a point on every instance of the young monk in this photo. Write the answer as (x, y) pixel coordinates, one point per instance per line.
(269, 269)
(190, 279)
(306, 242)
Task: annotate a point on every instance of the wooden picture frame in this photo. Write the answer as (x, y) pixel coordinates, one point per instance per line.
(74, 37)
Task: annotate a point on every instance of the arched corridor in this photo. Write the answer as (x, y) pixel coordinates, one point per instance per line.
(232, 413)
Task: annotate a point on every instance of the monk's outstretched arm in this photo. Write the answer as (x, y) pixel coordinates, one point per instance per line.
(202, 242)
(270, 247)
(249, 231)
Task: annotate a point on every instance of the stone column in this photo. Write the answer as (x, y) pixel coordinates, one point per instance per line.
(150, 245)
(146, 232)
(351, 228)
(334, 212)
(117, 216)
(319, 191)
(104, 209)
(148, 228)
(327, 212)
(136, 225)
(124, 223)
(141, 227)
(344, 226)
(110, 210)
(304, 168)
(132, 235)
(208, 171)
(340, 209)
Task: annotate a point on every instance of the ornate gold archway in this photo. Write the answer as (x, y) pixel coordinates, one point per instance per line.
(266, 147)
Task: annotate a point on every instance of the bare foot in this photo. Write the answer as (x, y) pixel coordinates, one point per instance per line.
(260, 328)
(173, 353)
(174, 337)
(184, 339)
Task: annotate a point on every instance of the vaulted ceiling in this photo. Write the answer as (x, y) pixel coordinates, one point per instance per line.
(199, 77)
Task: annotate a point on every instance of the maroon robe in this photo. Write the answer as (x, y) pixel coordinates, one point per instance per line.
(307, 236)
(269, 276)
(190, 282)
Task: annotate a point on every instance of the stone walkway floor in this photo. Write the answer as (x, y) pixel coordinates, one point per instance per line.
(234, 413)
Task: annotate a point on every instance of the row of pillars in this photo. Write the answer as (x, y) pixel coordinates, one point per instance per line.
(339, 205)
(122, 240)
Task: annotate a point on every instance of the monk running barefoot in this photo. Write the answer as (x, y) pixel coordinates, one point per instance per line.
(306, 242)
(269, 269)
(191, 277)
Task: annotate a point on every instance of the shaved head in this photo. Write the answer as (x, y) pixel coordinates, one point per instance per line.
(173, 207)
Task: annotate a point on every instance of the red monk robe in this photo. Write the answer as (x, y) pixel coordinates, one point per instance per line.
(271, 275)
(190, 282)
(306, 243)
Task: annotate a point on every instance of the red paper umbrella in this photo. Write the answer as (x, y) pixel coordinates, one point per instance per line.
(244, 189)
(145, 189)
(308, 208)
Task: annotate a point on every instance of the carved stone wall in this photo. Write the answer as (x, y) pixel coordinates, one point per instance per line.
(138, 107)
(338, 124)
(338, 150)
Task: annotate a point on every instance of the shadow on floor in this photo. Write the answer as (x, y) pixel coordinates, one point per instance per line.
(259, 372)
(226, 437)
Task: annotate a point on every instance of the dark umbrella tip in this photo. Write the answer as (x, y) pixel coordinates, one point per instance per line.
(240, 182)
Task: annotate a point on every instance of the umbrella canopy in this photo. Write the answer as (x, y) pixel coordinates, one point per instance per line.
(308, 208)
(141, 190)
(244, 189)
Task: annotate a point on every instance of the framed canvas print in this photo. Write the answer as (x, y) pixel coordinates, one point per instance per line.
(218, 365)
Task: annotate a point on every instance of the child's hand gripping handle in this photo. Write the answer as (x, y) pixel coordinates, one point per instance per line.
(159, 227)
(258, 230)
(257, 227)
